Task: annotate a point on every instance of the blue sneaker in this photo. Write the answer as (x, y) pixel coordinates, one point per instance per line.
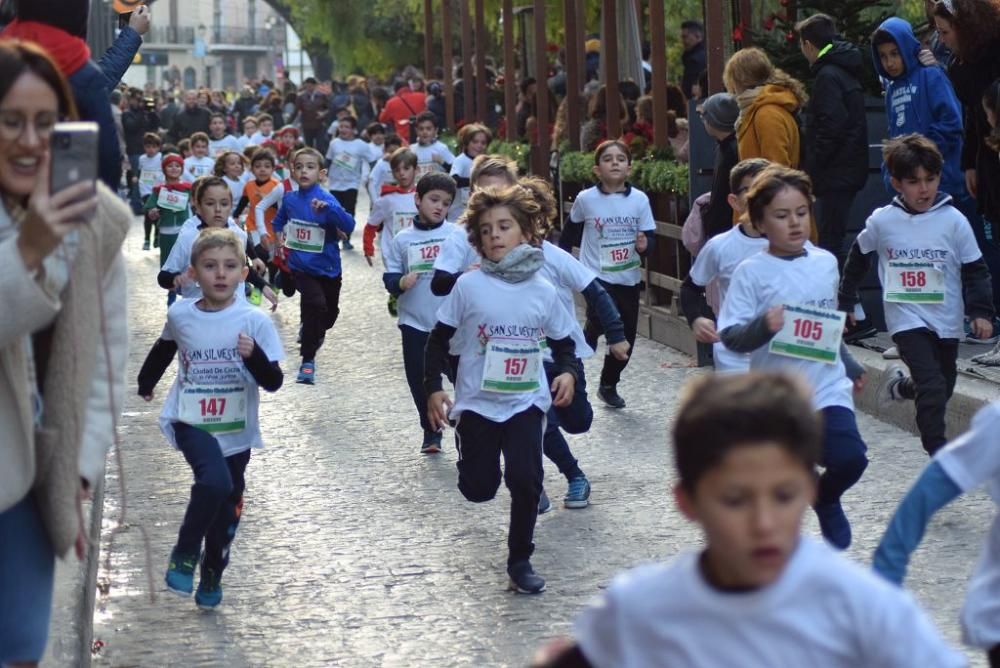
(307, 373)
(578, 493)
(834, 525)
(544, 505)
(209, 594)
(180, 573)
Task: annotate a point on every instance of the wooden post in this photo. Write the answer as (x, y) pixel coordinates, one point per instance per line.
(715, 39)
(573, 78)
(581, 38)
(467, 92)
(746, 20)
(509, 85)
(541, 93)
(481, 101)
(428, 39)
(658, 58)
(446, 59)
(609, 56)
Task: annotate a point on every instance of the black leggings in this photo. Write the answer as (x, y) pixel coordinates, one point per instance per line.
(626, 298)
(319, 306)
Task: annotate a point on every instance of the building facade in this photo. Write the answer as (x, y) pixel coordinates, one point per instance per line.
(219, 44)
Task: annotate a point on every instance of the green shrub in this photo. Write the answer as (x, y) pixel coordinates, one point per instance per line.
(516, 151)
(653, 174)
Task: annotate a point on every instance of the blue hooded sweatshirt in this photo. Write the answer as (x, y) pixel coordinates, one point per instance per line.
(922, 100)
(297, 206)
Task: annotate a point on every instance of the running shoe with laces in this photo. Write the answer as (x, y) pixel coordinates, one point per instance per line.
(180, 573)
(523, 579)
(209, 594)
(889, 389)
(578, 493)
(307, 374)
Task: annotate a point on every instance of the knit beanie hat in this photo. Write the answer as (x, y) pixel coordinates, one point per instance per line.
(68, 15)
(721, 111)
(171, 157)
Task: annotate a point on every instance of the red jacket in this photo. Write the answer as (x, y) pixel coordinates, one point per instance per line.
(400, 108)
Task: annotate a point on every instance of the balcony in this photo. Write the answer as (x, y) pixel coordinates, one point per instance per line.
(217, 39)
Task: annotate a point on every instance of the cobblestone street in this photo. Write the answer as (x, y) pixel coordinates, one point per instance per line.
(355, 550)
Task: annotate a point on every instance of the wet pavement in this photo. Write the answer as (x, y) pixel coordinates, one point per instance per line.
(355, 550)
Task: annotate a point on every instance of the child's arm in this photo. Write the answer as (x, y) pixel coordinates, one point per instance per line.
(159, 358)
(945, 127)
(600, 302)
(932, 491)
(242, 204)
(572, 229)
(436, 363)
(337, 217)
(281, 218)
(977, 290)
(393, 276)
(442, 282)
(266, 373)
(699, 314)
(647, 228)
(272, 198)
(855, 269)
(741, 329)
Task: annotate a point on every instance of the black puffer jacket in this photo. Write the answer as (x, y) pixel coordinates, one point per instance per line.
(836, 126)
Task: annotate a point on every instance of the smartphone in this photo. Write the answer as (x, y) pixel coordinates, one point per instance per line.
(123, 20)
(74, 154)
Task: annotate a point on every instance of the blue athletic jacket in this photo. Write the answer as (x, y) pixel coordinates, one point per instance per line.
(297, 205)
(922, 100)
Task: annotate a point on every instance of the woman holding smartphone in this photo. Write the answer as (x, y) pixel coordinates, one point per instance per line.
(62, 346)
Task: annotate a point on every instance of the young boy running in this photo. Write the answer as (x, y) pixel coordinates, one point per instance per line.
(168, 206)
(200, 163)
(717, 261)
(227, 349)
(219, 141)
(432, 155)
(310, 222)
(381, 174)
(347, 160)
(150, 175)
(409, 262)
(932, 273)
(781, 308)
(759, 594)
(395, 209)
(495, 319)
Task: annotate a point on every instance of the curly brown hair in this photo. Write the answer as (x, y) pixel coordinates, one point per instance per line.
(520, 200)
(977, 23)
(769, 183)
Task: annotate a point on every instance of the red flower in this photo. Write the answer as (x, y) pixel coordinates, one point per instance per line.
(738, 33)
(769, 22)
(790, 36)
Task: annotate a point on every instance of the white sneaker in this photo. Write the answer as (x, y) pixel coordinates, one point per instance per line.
(991, 358)
(888, 389)
(891, 353)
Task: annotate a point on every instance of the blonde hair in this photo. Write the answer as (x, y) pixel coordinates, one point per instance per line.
(749, 68)
(469, 132)
(493, 165)
(520, 200)
(215, 237)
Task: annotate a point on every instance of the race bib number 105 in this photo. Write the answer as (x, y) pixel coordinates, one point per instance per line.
(811, 334)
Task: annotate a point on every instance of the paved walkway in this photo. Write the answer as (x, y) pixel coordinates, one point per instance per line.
(354, 550)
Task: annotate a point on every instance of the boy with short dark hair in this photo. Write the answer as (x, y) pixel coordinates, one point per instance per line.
(200, 163)
(432, 154)
(395, 209)
(932, 272)
(409, 265)
(918, 99)
(265, 129)
(150, 175)
(760, 594)
(311, 222)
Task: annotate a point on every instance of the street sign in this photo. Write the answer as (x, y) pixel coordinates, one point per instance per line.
(151, 58)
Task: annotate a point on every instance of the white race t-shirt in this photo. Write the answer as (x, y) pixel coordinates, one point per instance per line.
(458, 255)
(462, 167)
(499, 326)
(180, 256)
(380, 175)
(150, 173)
(198, 167)
(611, 223)
(210, 369)
(931, 247)
(395, 212)
(347, 163)
(243, 141)
(425, 158)
(763, 281)
(414, 249)
(217, 147)
(824, 611)
(718, 260)
(971, 460)
(568, 276)
(257, 139)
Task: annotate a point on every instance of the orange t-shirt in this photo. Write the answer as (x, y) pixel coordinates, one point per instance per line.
(255, 193)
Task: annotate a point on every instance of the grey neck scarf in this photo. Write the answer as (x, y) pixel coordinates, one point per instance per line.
(517, 265)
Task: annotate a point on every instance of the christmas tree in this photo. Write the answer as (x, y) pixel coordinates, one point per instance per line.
(856, 21)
